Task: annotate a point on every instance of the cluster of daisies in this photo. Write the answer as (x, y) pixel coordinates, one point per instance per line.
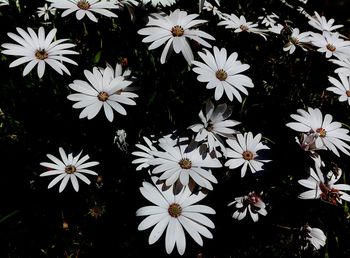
(182, 169)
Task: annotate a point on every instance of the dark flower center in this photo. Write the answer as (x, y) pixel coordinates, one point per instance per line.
(294, 40)
(177, 31)
(347, 93)
(41, 54)
(103, 96)
(244, 27)
(330, 47)
(247, 155)
(83, 4)
(322, 132)
(70, 169)
(329, 195)
(253, 198)
(221, 74)
(209, 127)
(174, 210)
(185, 163)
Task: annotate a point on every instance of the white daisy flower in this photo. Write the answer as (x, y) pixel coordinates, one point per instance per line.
(329, 134)
(172, 214)
(46, 11)
(325, 188)
(240, 24)
(313, 236)
(69, 167)
(4, 2)
(342, 87)
(321, 23)
(297, 39)
(277, 29)
(102, 89)
(214, 126)
(344, 66)
(145, 155)
(176, 165)
(244, 152)
(155, 3)
(223, 73)
(269, 20)
(36, 49)
(331, 44)
(85, 7)
(251, 202)
(174, 30)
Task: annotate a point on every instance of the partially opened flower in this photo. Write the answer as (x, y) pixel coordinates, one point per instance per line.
(329, 134)
(85, 7)
(68, 168)
(159, 2)
(313, 237)
(331, 44)
(223, 73)
(38, 49)
(103, 89)
(176, 163)
(297, 39)
(251, 202)
(214, 126)
(245, 152)
(321, 23)
(174, 30)
(341, 88)
(174, 214)
(46, 11)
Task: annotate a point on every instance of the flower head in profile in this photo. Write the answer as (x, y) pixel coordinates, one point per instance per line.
(214, 126)
(85, 7)
(341, 88)
(245, 152)
(297, 39)
(328, 134)
(103, 89)
(331, 44)
(251, 202)
(68, 168)
(312, 237)
(324, 188)
(163, 3)
(223, 73)
(46, 11)
(178, 164)
(240, 24)
(174, 30)
(38, 49)
(174, 214)
(321, 23)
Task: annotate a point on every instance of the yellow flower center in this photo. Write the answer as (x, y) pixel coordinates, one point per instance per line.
(103, 96)
(70, 169)
(41, 54)
(247, 155)
(83, 4)
(221, 74)
(322, 132)
(330, 47)
(177, 31)
(185, 163)
(174, 210)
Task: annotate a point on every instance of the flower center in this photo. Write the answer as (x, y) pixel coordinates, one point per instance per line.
(247, 155)
(41, 54)
(103, 96)
(322, 132)
(185, 163)
(347, 93)
(329, 195)
(294, 40)
(83, 4)
(244, 27)
(330, 47)
(177, 31)
(221, 74)
(209, 127)
(174, 210)
(253, 198)
(70, 169)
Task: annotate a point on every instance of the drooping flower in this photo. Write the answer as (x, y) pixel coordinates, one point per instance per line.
(223, 73)
(174, 30)
(341, 88)
(174, 214)
(69, 167)
(324, 188)
(164, 3)
(176, 163)
(321, 23)
(297, 39)
(328, 133)
(85, 7)
(251, 202)
(36, 49)
(331, 44)
(103, 89)
(245, 152)
(46, 11)
(313, 237)
(214, 126)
